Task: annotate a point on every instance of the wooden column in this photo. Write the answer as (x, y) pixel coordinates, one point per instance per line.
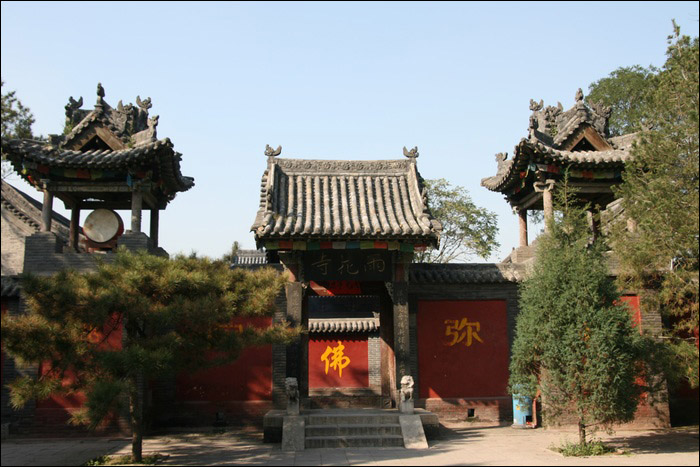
(154, 227)
(136, 208)
(74, 226)
(402, 347)
(594, 223)
(522, 222)
(47, 211)
(399, 295)
(546, 187)
(295, 365)
(548, 207)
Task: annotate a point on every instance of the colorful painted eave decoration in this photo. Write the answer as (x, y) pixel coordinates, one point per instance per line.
(554, 169)
(357, 245)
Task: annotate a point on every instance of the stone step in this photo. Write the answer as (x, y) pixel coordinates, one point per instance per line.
(313, 442)
(353, 419)
(353, 430)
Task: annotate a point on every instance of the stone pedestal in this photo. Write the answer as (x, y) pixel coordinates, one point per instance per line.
(293, 431)
(407, 407)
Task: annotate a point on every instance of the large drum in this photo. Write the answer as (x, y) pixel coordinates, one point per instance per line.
(103, 225)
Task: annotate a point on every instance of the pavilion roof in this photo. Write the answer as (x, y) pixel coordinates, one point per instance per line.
(39, 158)
(104, 152)
(531, 155)
(344, 200)
(576, 140)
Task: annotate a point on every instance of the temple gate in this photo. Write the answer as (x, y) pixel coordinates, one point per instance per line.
(345, 231)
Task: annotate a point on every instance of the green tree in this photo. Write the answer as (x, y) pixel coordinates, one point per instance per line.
(17, 121)
(659, 248)
(466, 229)
(233, 254)
(174, 314)
(574, 341)
(626, 91)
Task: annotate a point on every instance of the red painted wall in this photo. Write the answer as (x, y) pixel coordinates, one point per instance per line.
(109, 338)
(635, 312)
(462, 348)
(249, 378)
(351, 353)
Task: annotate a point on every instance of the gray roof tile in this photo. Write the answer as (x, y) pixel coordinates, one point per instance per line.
(321, 199)
(158, 154)
(464, 273)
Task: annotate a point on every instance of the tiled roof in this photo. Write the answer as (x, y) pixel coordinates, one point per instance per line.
(344, 325)
(157, 155)
(322, 199)
(528, 152)
(464, 273)
(553, 132)
(248, 257)
(28, 210)
(129, 124)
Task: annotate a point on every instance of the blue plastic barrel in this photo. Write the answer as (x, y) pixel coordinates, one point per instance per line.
(522, 411)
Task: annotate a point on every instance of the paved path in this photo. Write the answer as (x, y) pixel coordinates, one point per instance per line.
(458, 446)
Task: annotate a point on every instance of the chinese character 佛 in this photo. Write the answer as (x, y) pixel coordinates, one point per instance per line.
(337, 361)
(458, 330)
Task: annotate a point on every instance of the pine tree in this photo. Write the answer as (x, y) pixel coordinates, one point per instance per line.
(17, 121)
(574, 340)
(173, 314)
(660, 195)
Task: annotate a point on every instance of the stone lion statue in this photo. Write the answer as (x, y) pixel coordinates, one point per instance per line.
(407, 388)
(292, 387)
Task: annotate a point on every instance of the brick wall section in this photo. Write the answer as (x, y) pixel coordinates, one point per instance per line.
(491, 409)
(13, 239)
(375, 362)
(279, 357)
(44, 255)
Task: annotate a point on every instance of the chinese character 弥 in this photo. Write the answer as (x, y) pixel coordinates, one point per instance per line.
(338, 361)
(458, 330)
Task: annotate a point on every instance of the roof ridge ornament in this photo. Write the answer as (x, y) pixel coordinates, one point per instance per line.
(534, 106)
(412, 154)
(145, 104)
(579, 95)
(100, 95)
(269, 152)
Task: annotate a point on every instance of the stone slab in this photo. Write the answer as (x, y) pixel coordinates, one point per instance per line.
(293, 433)
(412, 430)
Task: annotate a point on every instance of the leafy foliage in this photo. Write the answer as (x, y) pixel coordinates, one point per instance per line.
(574, 341)
(626, 91)
(660, 194)
(593, 448)
(17, 121)
(466, 229)
(173, 313)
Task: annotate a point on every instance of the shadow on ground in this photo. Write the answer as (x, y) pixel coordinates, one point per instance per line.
(666, 441)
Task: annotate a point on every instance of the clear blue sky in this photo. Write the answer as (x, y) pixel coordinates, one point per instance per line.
(325, 81)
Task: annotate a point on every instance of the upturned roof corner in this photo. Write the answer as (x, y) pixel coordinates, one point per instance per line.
(576, 139)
